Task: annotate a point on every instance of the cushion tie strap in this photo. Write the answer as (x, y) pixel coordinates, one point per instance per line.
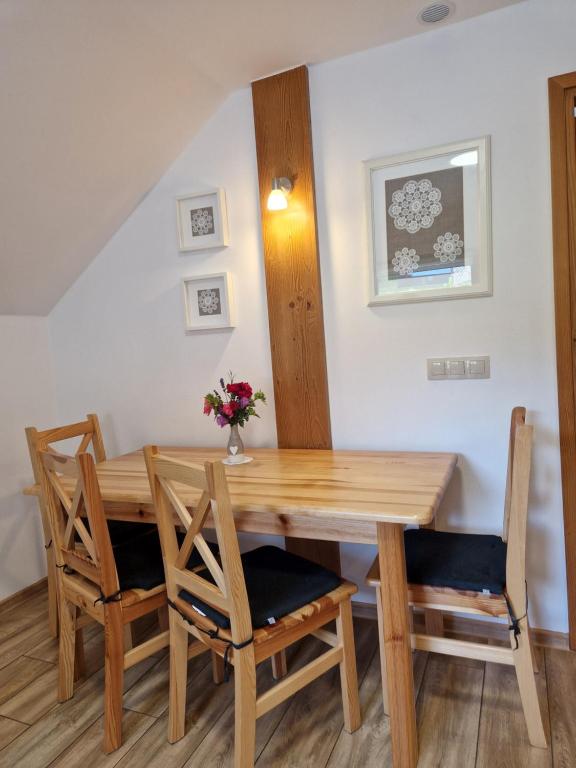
(214, 634)
(514, 620)
(115, 597)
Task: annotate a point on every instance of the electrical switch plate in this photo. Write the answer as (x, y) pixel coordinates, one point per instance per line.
(436, 368)
(455, 368)
(475, 367)
(445, 368)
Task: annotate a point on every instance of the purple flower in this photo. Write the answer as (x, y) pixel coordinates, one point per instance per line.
(244, 402)
(221, 420)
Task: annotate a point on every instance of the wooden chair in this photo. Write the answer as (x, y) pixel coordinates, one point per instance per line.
(248, 608)
(486, 575)
(90, 434)
(112, 585)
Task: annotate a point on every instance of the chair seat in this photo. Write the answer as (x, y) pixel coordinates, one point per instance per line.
(464, 561)
(75, 584)
(122, 530)
(277, 583)
(139, 561)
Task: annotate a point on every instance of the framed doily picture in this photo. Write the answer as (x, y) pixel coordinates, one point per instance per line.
(208, 302)
(429, 229)
(202, 220)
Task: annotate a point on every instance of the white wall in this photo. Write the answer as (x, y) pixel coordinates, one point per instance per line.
(119, 338)
(26, 399)
(484, 77)
(119, 344)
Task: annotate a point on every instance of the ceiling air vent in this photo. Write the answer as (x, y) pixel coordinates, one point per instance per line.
(435, 12)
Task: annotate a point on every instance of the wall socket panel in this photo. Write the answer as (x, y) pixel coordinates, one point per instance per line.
(444, 368)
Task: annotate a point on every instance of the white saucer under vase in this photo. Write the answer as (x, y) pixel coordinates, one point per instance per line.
(236, 461)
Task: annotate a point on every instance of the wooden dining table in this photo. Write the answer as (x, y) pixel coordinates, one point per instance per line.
(365, 497)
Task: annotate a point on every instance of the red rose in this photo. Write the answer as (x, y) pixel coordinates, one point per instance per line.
(240, 389)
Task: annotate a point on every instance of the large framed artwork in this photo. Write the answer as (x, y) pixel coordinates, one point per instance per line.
(429, 225)
(202, 220)
(208, 302)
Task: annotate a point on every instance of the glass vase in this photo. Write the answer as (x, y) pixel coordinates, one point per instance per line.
(235, 448)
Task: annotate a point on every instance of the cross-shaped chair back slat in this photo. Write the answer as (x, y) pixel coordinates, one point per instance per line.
(92, 556)
(173, 484)
(89, 432)
(517, 418)
(42, 440)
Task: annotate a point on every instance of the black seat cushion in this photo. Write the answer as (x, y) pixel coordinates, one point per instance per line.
(277, 583)
(139, 561)
(465, 561)
(121, 530)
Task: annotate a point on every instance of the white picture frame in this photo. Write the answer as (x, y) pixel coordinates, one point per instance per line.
(208, 302)
(399, 275)
(202, 220)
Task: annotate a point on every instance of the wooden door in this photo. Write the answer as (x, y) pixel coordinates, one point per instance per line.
(562, 93)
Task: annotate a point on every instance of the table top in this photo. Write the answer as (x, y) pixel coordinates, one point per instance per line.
(365, 486)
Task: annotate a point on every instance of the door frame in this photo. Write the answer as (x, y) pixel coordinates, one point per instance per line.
(564, 247)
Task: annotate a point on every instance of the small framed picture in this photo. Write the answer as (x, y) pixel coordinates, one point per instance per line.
(208, 302)
(429, 224)
(202, 220)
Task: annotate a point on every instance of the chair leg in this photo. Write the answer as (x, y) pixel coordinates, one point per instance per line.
(127, 639)
(383, 669)
(52, 592)
(217, 668)
(535, 656)
(163, 621)
(113, 676)
(279, 665)
(66, 649)
(79, 658)
(434, 623)
(528, 689)
(348, 674)
(178, 677)
(245, 707)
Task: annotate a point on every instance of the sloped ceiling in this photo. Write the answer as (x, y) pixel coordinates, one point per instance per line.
(98, 98)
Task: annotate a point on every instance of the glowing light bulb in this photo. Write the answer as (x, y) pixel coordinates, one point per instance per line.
(278, 197)
(277, 200)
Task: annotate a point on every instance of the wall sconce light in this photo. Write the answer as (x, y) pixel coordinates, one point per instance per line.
(278, 197)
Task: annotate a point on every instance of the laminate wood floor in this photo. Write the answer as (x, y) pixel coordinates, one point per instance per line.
(469, 713)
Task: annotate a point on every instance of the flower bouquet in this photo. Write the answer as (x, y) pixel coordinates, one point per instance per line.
(233, 407)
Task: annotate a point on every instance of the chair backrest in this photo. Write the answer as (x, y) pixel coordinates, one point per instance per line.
(92, 557)
(228, 594)
(516, 524)
(517, 418)
(88, 430)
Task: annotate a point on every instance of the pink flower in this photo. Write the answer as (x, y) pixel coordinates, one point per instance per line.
(229, 409)
(207, 407)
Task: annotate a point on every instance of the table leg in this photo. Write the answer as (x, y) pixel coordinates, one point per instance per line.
(397, 647)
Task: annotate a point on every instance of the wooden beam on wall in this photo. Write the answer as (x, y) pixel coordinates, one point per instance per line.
(284, 148)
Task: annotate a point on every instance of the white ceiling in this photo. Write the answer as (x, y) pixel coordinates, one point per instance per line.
(98, 98)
